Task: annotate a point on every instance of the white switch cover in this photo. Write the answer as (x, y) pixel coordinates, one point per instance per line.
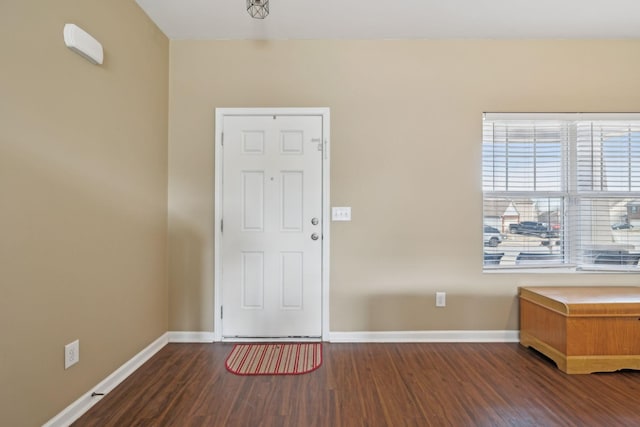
(341, 214)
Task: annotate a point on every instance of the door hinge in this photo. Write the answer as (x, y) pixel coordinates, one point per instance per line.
(221, 311)
(221, 225)
(317, 141)
(222, 138)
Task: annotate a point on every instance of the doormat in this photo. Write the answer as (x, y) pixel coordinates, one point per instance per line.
(274, 359)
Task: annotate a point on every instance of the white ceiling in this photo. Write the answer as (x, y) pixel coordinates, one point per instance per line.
(398, 19)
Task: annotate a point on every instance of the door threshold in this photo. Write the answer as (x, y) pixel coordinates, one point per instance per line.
(271, 339)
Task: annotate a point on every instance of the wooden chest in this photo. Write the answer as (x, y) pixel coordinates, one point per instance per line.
(583, 329)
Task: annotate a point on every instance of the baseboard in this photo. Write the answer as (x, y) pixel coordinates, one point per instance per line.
(86, 401)
(424, 336)
(184, 337)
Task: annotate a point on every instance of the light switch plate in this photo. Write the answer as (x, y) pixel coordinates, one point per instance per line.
(341, 214)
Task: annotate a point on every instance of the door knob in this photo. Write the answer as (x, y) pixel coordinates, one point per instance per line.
(314, 221)
(315, 236)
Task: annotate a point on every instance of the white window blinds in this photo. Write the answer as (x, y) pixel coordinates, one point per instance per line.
(561, 191)
(608, 156)
(524, 156)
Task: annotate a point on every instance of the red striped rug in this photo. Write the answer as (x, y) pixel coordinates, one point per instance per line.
(274, 359)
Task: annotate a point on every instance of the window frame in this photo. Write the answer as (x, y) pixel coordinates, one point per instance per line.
(572, 238)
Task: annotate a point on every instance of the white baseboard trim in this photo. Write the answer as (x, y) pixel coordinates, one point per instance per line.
(74, 411)
(425, 336)
(185, 337)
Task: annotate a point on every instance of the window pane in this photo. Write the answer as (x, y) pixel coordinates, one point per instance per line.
(523, 231)
(608, 156)
(523, 156)
(609, 231)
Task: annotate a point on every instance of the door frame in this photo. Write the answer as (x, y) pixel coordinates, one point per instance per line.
(220, 114)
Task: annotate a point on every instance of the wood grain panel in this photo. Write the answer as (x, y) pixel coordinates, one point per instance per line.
(591, 336)
(587, 301)
(546, 325)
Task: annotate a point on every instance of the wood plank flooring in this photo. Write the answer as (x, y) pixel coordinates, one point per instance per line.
(429, 384)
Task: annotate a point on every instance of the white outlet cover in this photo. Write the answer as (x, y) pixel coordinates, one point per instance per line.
(71, 354)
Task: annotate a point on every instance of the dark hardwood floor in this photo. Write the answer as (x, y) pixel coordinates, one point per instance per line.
(371, 385)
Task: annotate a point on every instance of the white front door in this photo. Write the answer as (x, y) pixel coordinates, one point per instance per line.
(271, 239)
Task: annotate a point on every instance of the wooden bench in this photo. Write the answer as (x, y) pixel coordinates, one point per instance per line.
(583, 329)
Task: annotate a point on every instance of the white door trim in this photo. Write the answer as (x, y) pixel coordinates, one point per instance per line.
(220, 113)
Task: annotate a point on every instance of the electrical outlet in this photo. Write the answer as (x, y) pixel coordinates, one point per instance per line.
(71, 354)
(441, 299)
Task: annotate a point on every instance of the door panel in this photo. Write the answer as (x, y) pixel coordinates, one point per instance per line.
(292, 209)
(252, 281)
(252, 208)
(272, 189)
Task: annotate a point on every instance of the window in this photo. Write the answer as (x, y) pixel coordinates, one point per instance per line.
(562, 190)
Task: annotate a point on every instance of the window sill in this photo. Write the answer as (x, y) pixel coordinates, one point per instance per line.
(559, 270)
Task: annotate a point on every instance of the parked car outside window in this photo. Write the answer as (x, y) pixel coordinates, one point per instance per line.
(539, 229)
(492, 236)
(622, 226)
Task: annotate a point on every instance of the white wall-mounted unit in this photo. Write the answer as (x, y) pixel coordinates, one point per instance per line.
(81, 42)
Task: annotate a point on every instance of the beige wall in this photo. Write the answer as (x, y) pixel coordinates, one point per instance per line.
(83, 184)
(406, 131)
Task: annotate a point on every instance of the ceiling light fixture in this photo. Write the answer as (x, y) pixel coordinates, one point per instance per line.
(258, 9)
